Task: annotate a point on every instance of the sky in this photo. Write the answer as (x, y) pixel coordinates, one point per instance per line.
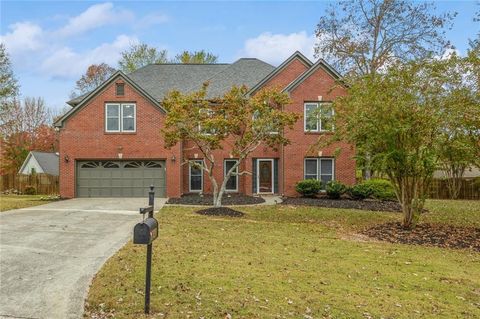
(51, 44)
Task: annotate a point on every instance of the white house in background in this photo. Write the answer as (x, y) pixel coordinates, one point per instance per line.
(470, 173)
(40, 163)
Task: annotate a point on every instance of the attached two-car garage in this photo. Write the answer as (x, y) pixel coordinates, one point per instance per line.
(120, 178)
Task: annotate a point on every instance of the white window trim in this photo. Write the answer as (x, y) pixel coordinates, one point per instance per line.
(258, 174)
(120, 118)
(305, 166)
(319, 128)
(190, 176)
(318, 159)
(225, 173)
(119, 106)
(134, 117)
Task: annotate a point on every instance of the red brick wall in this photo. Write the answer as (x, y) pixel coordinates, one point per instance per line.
(83, 137)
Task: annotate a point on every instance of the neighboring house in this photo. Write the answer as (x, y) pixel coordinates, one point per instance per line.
(111, 145)
(40, 163)
(470, 173)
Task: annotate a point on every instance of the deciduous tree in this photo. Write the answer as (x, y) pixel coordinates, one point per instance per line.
(236, 121)
(95, 75)
(363, 36)
(139, 55)
(202, 56)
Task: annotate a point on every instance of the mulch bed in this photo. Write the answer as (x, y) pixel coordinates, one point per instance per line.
(207, 200)
(446, 236)
(220, 211)
(368, 204)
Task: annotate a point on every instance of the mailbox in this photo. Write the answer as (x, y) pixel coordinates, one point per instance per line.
(145, 232)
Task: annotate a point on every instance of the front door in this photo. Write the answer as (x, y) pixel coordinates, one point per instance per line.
(265, 176)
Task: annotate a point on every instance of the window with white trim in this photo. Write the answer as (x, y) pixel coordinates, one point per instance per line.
(232, 183)
(120, 117)
(195, 176)
(318, 117)
(321, 168)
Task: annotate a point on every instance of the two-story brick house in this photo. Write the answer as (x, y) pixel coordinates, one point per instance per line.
(111, 145)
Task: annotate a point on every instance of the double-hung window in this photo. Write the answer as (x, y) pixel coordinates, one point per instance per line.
(196, 176)
(120, 117)
(318, 117)
(320, 168)
(232, 183)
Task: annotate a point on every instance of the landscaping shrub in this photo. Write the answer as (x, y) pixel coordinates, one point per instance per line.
(381, 189)
(335, 189)
(308, 187)
(30, 190)
(360, 191)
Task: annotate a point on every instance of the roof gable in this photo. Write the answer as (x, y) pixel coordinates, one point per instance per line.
(320, 64)
(47, 161)
(117, 75)
(295, 56)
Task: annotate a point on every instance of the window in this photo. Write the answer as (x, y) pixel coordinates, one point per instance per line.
(196, 176)
(318, 117)
(232, 183)
(319, 168)
(206, 114)
(120, 117)
(272, 125)
(120, 89)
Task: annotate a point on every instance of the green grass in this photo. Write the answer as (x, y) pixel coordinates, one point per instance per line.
(8, 202)
(291, 262)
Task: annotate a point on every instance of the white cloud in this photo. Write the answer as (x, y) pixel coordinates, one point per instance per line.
(152, 19)
(66, 63)
(95, 16)
(275, 48)
(24, 36)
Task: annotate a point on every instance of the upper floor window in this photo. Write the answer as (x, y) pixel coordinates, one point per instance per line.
(120, 89)
(120, 117)
(318, 117)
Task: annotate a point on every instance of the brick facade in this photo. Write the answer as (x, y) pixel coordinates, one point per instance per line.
(83, 137)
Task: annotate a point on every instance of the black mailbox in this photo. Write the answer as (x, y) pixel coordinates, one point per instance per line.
(145, 232)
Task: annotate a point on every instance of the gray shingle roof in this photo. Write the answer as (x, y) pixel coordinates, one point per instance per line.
(158, 79)
(48, 161)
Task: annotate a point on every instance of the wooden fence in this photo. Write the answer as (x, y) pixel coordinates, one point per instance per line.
(44, 184)
(470, 189)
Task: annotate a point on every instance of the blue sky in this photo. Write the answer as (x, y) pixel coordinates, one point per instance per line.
(52, 43)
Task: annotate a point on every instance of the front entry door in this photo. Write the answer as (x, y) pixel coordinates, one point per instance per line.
(265, 176)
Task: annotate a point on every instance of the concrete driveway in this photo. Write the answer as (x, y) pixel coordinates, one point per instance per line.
(49, 253)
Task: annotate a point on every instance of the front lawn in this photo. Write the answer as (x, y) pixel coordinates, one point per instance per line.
(291, 262)
(8, 202)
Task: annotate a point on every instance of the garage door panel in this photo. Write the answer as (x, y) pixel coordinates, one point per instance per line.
(120, 178)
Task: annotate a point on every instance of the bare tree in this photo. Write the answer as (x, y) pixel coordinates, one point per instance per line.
(95, 75)
(363, 36)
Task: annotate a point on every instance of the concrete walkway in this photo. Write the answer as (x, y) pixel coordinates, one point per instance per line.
(50, 253)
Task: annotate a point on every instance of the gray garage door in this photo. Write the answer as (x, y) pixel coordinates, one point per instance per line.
(120, 178)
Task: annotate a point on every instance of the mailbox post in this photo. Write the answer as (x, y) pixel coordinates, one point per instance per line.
(145, 233)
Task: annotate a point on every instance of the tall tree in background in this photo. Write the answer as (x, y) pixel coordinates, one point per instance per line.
(24, 127)
(363, 36)
(8, 83)
(139, 55)
(95, 75)
(202, 56)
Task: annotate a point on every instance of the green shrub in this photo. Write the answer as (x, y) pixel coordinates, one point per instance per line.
(30, 190)
(360, 191)
(335, 189)
(381, 189)
(308, 187)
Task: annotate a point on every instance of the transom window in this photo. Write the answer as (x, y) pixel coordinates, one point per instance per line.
(196, 176)
(318, 117)
(120, 117)
(320, 168)
(232, 183)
